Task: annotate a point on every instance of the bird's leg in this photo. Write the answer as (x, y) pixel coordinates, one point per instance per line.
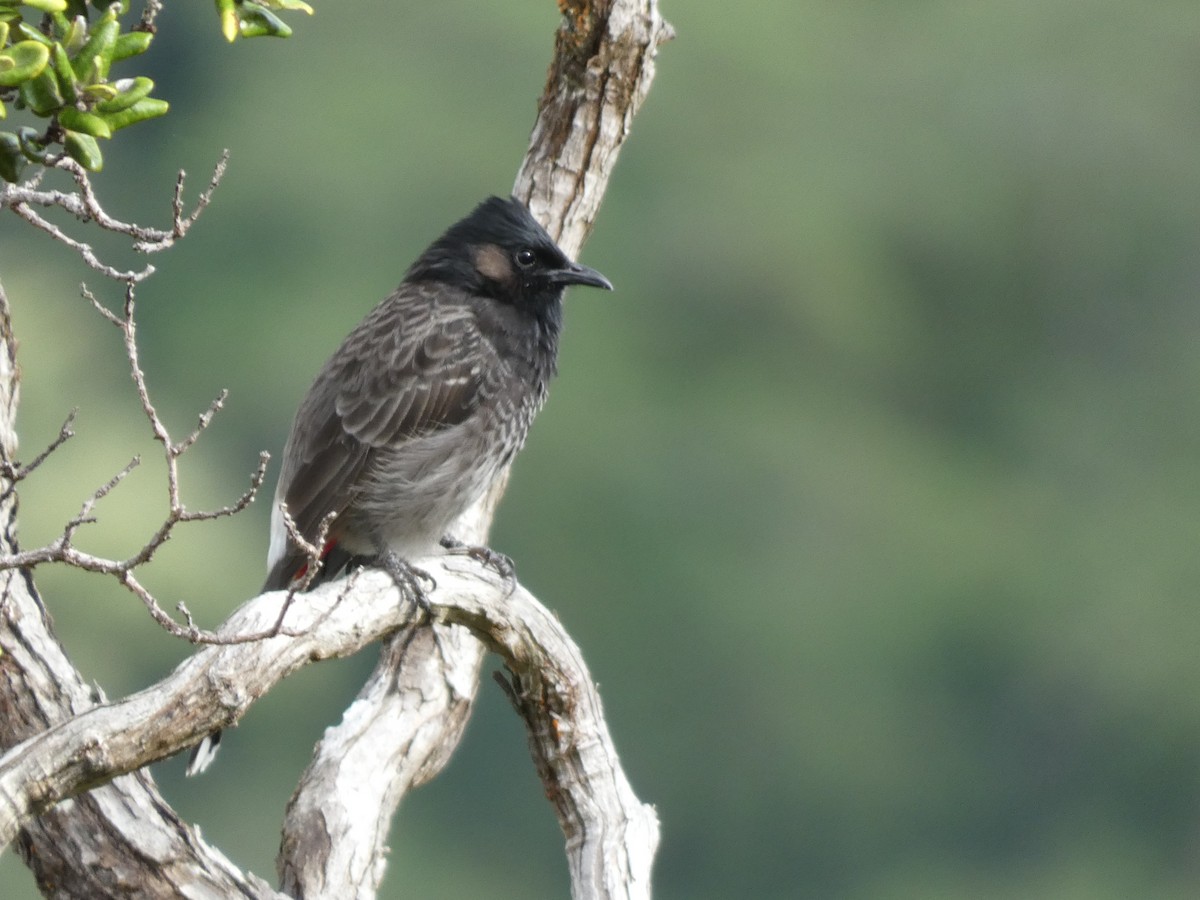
(497, 562)
(408, 578)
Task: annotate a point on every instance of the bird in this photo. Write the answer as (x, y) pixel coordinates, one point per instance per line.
(424, 404)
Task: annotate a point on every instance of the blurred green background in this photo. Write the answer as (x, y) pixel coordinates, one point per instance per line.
(872, 494)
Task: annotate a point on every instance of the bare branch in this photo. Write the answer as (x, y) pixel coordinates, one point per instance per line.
(610, 835)
(16, 472)
(85, 516)
(63, 549)
(313, 550)
(126, 823)
(84, 205)
(314, 561)
(149, 14)
(182, 223)
(603, 65)
(206, 417)
(21, 208)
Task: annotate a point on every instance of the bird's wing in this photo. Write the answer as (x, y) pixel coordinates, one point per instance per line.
(411, 368)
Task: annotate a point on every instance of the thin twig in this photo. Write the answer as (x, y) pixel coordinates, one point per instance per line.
(313, 550)
(84, 205)
(85, 517)
(14, 472)
(314, 558)
(179, 222)
(21, 208)
(205, 418)
(149, 14)
(63, 549)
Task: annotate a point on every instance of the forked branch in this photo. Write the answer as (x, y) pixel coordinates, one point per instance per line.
(85, 206)
(611, 835)
(63, 549)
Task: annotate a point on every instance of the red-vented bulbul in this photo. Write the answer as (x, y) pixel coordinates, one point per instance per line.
(426, 402)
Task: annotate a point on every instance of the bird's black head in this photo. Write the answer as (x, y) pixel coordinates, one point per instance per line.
(501, 251)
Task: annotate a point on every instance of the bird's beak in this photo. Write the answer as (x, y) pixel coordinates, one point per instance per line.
(577, 274)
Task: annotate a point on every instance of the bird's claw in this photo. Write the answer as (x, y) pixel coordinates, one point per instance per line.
(410, 580)
(498, 562)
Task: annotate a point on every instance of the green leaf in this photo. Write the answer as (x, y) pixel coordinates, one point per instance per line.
(65, 74)
(131, 44)
(87, 123)
(258, 21)
(22, 61)
(3, 33)
(75, 34)
(227, 11)
(289, 5)
(12, 160)
(41, 94)
(127, 92)
(95, 56)
(31, 144)
(146, 108)
(99, 93)
(32, 34)
(48, 6)
(84, 150)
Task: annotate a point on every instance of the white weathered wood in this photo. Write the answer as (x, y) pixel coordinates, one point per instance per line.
(397, 734)
(610, 835)
(601, 71)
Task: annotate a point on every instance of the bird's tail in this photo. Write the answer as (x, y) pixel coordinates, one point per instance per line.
(203, 754)
(292, 566)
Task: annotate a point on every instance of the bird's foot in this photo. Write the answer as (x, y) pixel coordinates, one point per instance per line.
(499, 563)
(409, 579)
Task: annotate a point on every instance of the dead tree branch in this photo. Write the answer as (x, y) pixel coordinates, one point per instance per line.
(85, 206)
(15, 471)
(610, 834)
(64, 550)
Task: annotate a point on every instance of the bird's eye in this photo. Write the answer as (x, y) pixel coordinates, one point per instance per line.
(526, 257)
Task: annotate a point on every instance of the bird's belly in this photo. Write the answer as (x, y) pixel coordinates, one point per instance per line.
(412, 495)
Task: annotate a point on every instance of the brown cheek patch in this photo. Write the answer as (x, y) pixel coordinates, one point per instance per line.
(492, 262)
